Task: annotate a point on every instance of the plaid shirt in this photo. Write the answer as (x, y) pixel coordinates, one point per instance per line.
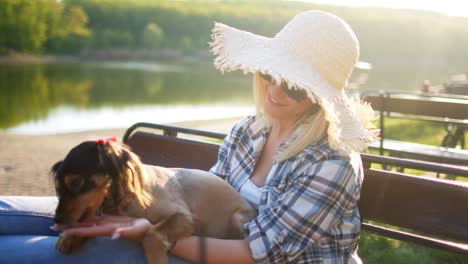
(308, 209)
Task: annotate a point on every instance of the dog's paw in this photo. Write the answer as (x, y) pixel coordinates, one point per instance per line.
(67, 245)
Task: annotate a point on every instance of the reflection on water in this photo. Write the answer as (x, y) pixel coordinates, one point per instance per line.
(51, 98)
(66, 119)
(144, 66)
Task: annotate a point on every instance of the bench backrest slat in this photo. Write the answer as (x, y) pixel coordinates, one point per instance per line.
(419, 106)
(173, 152)
(435, 207)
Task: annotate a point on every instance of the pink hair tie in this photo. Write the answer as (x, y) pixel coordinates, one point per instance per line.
(104, 141)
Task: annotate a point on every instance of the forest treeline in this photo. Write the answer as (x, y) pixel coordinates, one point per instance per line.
(70, 26)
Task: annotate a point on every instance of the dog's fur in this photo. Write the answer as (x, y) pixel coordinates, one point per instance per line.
(107, 176)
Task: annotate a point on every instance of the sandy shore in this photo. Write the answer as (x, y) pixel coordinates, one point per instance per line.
(25, 160)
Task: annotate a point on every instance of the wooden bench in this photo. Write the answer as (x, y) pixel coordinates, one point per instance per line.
(451, 111)
(432, 212)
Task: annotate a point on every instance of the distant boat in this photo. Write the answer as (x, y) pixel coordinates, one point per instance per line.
(457, 85)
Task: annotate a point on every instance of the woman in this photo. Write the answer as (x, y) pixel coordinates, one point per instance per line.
(296, 160)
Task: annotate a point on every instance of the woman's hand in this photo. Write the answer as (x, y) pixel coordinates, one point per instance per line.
(113, 226)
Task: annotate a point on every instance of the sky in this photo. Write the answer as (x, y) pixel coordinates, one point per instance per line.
(448, 7)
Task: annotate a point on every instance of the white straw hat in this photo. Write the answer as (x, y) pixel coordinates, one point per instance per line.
(315, 51)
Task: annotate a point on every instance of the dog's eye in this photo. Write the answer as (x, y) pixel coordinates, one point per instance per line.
(74, 183)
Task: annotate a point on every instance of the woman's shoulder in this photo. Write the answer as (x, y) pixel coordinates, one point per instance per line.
(243, 125)
(323, 156)
(244, 122)
(321, 151)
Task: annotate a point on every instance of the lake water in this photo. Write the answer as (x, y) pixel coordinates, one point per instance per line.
(77, 96)
(69, 97)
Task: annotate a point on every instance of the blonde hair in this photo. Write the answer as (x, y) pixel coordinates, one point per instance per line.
(315, 127)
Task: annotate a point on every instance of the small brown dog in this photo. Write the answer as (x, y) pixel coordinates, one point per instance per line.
(103, 175)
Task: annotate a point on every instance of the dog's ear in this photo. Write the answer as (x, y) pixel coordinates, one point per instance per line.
(55, 167)
(125, 170)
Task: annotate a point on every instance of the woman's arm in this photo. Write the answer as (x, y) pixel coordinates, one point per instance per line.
(107, 225)
(217, 250)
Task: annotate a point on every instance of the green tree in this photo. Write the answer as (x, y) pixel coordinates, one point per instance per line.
(152, 36)
(27, 29)
(68, 32)
(6, 15)
(76, 21)
(34, 26)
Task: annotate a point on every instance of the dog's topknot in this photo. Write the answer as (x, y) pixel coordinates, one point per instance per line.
(82, 159)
